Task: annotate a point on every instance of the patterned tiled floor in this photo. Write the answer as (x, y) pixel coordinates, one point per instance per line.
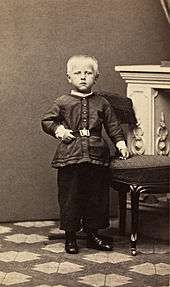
(29, 259)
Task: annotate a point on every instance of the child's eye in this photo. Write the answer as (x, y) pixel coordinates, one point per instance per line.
(89, 73)
(77, 73)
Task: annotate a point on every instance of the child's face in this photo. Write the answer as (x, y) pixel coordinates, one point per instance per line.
(82, 76)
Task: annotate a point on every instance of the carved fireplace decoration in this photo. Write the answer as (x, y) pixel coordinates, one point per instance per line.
(149, 88)
(137, 142)
(162, 145)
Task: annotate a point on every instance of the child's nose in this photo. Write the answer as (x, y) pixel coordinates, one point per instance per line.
(83, 76)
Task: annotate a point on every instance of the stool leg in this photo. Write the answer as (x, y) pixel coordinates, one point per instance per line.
(122, 211)
(135, 193)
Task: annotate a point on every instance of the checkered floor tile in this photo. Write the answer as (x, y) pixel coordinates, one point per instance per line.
(29, 259)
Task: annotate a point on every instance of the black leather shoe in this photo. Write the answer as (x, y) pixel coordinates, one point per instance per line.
(94, 242)
(71, 246)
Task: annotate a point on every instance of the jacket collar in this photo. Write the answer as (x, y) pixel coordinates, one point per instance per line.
(80, 95)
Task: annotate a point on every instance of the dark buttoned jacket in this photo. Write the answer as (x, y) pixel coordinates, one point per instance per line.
(77, 113)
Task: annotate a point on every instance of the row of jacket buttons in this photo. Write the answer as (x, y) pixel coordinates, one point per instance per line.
(84, 113)
(84, 117)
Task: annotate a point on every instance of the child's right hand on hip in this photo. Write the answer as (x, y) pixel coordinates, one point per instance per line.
(64, 134)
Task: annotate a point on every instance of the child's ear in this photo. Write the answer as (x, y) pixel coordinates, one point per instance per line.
(96, 77)
(68, 78)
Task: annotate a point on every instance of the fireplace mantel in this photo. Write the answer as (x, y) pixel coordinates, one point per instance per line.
(146, 74)
(149, 88)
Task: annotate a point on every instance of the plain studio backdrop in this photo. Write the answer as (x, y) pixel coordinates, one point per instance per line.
(36, 39)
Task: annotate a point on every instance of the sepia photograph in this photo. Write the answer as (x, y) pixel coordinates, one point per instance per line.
(84, 143)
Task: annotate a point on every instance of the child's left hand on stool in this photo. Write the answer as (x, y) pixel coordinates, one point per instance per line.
(124, 153)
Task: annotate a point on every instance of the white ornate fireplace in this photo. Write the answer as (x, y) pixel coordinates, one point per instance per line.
(149, 88)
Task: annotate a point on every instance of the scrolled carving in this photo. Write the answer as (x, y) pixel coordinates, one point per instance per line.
(162, 145)
(137, 142)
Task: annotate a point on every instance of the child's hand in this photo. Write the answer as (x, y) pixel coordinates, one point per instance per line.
(64, 134)
(67, 136)
(125, 153)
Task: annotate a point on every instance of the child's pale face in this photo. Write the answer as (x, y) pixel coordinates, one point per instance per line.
(82, 76)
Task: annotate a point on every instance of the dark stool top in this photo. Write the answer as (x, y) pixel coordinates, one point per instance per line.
(142, 169)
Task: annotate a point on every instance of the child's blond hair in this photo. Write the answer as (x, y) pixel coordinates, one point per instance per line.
(92, 60)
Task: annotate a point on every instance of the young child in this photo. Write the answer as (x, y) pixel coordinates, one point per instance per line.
(82, 156)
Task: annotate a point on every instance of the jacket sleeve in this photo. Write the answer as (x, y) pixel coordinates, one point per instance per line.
(51, 119)
(112, 125)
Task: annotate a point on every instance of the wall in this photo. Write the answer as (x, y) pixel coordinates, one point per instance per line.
(36, 39)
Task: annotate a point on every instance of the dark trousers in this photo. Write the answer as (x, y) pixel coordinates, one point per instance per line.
(83, 197)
